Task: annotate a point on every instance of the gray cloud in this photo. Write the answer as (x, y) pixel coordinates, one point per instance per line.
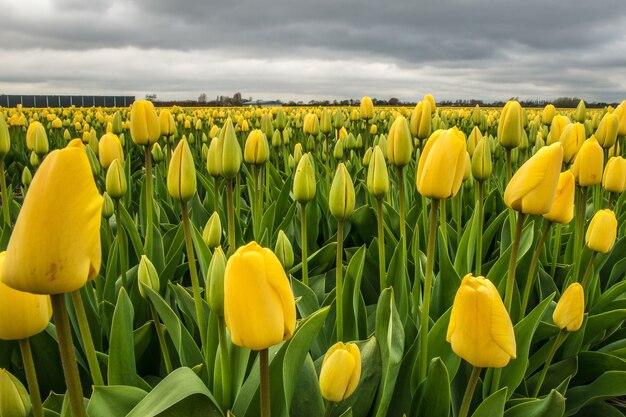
(485, 49)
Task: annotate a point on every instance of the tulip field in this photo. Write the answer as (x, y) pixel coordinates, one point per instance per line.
(358, 261)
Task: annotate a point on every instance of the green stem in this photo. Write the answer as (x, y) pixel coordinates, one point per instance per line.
(339, 280)
(329, 409)
(509, 165)
(85, 334)
(149, 233)
(609, 201)
(588, 269)
(479, 235)
(580, 229)
(31, 377)
(510, 282)
(255, 203)
(121, 244)
(267, 187)
(381, 245)
(161, 338)
(195, 282)
(555, 250)
(459, 213)
(265, 383)
(68, 359)
(225, 362)
(469, 392)
(428, 278)
(400, 172)
(238, 193)
(305, 255)
(5, 195)
(443, 223)
(533, 267)
(216, 194)
(544, 371)
(230, 210)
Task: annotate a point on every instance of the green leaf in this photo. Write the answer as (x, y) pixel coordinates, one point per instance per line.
(122, 368)
(434, 400)
(493, 406)
(465, 252)
(353, 321)
(445, 284)
(438, 346)
(608, 385)
(114, 400)
(552, 405)
(308, 401)
(598, 324)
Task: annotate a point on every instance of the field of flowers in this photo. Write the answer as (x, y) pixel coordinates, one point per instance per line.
(313, 261)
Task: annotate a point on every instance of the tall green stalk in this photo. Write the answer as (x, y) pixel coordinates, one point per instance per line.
(382, 274)
(161, 338)
(266, 411)
(339, 280)
(469, 392)
(400, 172)
(31, 377)
(149, 220)
(579, 232)
(85, 334)
(305, 255)
(5, 195)
(225, 364)
(230, 211)
(557, 342)
(121, 244)
(510, 281)
(533, 267)
(556, 249)
(480, 208)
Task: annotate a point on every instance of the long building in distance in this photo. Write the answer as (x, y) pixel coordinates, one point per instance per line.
(7, 100)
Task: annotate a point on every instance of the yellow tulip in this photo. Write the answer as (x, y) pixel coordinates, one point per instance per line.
(420, 120)
(109, 149)
(480, 328)
(231, 151)
(5, 138)
(399, 143)
(377, 175)
(284, 250)
(562, 210)
(214, 293)
(14, 399)
(115, 182)
(256, 150)
(35, 133)
(473, 139)
(341, 371)
(602, 231)
(572, 139)
(259, 306)
(147, 275)
(341, 196)
(614, 178)
(511, 125)
(482, 165)
(620, 112)
(442, 164)
(304, 185)
(167, 124)
(55, 245)
(559, 123)
(533, 186)
(212, 233)
(607, 130)
(367, 108)
(181, 175)
(548, 114)
(570, 310)
(589, 162)
(144, 123)
(431, 100)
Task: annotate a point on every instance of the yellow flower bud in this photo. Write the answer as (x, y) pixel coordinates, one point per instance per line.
(116, 184)
(311, 124)
(533, 186)
(55, 245)
(212, 233)
(117, 127)
(257, 150)
(572, 138)
(281, 120)
(442, 164)
(602, 231)
(341, 371)
(110, 149)
(481, 161)
(14, 399)
(420, 120)
(511, 125)
(570, 310)
(399, 143)
(581, 112)
(27, 177)
(107, 206)
(277, 140)
(215, 282)
(373, 129)
(231, 151)
(157, 153)
(326, 122)
(338, 119)
(304, 180)
(259, 306)
(297, 153)
(338, 150)
(284, 250)
(620, 112)
(559, 123)
(431, 100)
(214, 157)
(614, 178)
(266, 125)
(147, 275)
(367, 108)
(181, 175)
(5, 138)
(548, 114)
(167, 124)
(144, 123)
(587, 167)
(341, 196)
(473, 139)
(562, 210)
(607, 130)
(56, 123)
(480, 328)
(377, 175)
(367, 156)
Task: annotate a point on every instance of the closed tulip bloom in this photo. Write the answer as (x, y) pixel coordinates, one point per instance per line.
(570, 310)
(606, 134)
(367, 108)
(433, 105)
(277, 141)
(214, 157)
(562, 210)
(620, 112)
(116, 185)
(231, 151)
(341, 196)
(116, 124)
(304, 180)
(572, 139)
(421, 120)
(589, 162)
(399, 143)
(473, 139)
(259, 306)
(548, 114)
(341, 371)
(480, 328)
(56, 123)
(212, 233)
(22, 314)
(338, 150)
(482, 165)
(284, 250)
(144, 123)
(181, 176)
(377, 175)
(442, 164)
(257, 149)
(167, 124)
(511, 125)
(602, 231)
(5, 138)
(35, 133)
(215, 282)
(559, 123)
(297, 153)
(55, 245)
(14, 399)
(533, 186)
(147, 275)
(614, 178)
(109, 149)
(581, 112)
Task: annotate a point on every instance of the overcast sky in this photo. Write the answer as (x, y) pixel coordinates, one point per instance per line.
(302, 50)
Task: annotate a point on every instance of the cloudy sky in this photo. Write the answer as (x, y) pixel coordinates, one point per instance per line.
(302, 50)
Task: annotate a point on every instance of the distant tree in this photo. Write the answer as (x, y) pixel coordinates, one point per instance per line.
(151, 97)
(393, 101)
(202, 98)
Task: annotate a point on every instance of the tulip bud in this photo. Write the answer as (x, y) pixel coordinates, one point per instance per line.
(620, 112)
(473, 139)
(433, 105)
(548, 114)
(511, 125)
(215, 282)
(587, 167)
(266, 126)
(602, 231)
(56, 123)
(480, 328)
(325, 122)
(367, 108)
(373, 130)
(181, 176)
(341, 196)
(338, 150)
(157, 153)
(304, 180)
(614, 178)
(284, 250)
(297, 153)
(562, 210)
(572, 138)
(144, 123)
(338, 119)
(257, 150)
(214, 157)
(291, 162)
(116, 124)
(359, 141)
(212, 233)
(442, 164)
(14, 399)
(27, 177)
(147, 275)
(116, 184)
(581, 112)
(5, 138)
(420, 120)
(108, 208)
(66, 135)
(533, 186)
(607, 130)
(570, 310)
(231, 151)
(277, 140)
(93, 161)
(559, 123)
(350, 142)
(341, 371)
(399, 143)
(110, 149)
(377, 175)
(281, 120)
